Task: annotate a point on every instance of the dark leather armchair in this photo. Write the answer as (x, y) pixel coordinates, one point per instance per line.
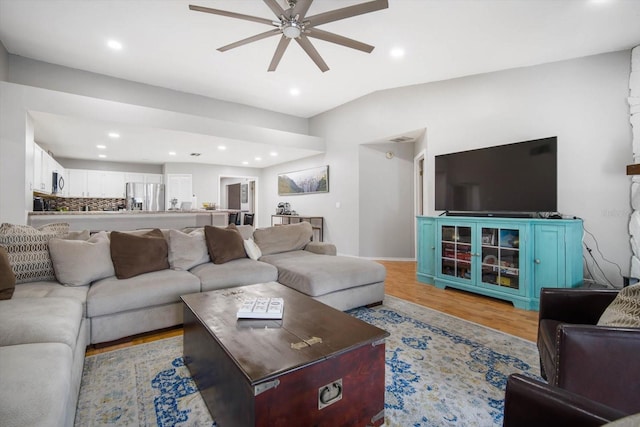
(596, 362)
(532, 403)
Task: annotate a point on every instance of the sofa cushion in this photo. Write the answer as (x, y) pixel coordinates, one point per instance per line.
(137, 254)
(242, 271)
(79, 262)
(224, 244)
(316, 275)
(29, 251)
(32, 320)
(36, 384)
(283, 238)
(7, 278)
(624, 310)
(187, 250)
(111, 295)
(53, 289)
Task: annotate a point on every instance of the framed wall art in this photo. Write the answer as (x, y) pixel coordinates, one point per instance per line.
(308, 181)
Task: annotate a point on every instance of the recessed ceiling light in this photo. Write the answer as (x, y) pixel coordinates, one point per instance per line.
(172, 153)
(245, 163)
(294, 91)
(257, 159)
(221, 147)
(102, 147)
(114, 44)
(102, 156)
(273, 154)
(114, 135)
(397, 52)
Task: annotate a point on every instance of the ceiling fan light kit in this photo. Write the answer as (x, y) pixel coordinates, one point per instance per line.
(293, 23)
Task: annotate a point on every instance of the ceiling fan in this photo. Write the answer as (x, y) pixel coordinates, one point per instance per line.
(293, 23)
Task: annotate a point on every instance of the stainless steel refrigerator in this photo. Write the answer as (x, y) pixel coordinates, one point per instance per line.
(145, 197)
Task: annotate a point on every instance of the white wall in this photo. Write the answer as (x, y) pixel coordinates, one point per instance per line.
(4, 62)
(582, 101)
(386, 200)
(109, 166)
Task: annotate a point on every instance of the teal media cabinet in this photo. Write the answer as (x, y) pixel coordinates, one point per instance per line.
(506, 258)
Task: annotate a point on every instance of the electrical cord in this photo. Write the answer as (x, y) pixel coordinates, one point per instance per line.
(599, 252)
(596, 264)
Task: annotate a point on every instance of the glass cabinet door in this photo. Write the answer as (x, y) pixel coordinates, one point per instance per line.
(456, 251)
(500, 257)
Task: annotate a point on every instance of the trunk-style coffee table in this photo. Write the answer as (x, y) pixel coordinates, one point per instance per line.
(316, 367)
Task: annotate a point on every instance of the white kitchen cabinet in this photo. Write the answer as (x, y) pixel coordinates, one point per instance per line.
(153, 178)
(43, 167)
(133, 177)
(105, 184)
(76, 183)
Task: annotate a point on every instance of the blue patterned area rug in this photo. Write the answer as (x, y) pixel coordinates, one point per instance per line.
(440, 371)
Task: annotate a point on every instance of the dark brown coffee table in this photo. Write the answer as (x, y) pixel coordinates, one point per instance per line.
(317, 366)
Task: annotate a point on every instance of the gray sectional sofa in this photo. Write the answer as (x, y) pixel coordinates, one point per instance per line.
(46, 326)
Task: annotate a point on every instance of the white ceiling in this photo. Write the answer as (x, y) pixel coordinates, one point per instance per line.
(165, 44)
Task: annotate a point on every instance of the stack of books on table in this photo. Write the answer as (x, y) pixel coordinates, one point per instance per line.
(261, 308)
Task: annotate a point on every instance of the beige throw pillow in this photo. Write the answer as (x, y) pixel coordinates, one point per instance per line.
(624, 310)
(187, 250)
(283, 238)
(79, 262)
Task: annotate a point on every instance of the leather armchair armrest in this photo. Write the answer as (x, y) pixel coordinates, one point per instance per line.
(600, 362)
(571, 305)
(321, 248)
(529, 402)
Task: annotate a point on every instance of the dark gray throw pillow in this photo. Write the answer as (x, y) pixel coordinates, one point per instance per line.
(137, 254)
(224, 244)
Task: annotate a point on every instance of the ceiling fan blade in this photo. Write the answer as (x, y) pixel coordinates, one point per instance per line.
(347, 12)
(277, 56)
(231, 14)
(257, 37)
(337, 39)
(275, 7)
(301, 8)
(305, 44)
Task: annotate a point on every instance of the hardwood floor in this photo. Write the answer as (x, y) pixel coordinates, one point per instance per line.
(497, 314)
(401, 282)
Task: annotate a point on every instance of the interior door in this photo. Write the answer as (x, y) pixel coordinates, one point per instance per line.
(233, 196)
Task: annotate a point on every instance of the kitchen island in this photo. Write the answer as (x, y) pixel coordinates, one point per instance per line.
(129, 220)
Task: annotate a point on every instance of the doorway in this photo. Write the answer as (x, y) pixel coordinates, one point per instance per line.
(239, 193)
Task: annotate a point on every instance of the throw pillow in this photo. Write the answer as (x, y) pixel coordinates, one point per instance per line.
(224, 244)
(252, 250)
(624, 310)
(28, 249)
(136, 254)
(7, 278)
(283, 238)
(79, 262)
(187, 250)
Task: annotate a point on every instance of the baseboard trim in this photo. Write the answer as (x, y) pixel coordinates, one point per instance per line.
(380, 258)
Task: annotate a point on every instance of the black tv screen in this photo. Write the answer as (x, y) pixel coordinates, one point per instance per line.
(519, 177)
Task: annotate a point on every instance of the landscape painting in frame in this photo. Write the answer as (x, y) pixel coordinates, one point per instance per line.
(314, 180)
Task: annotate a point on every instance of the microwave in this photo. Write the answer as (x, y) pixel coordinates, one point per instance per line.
(57, 182)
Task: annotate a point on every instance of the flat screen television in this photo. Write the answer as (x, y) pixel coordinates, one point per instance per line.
(512, 178)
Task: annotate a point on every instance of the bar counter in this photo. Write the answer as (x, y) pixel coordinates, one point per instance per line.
(129, 220)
